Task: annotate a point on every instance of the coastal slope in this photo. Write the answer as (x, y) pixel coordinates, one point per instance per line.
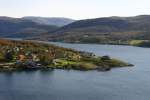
(22, 55)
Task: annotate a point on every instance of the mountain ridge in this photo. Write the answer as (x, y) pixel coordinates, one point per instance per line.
(56, 21)
(18, 27)
(104, 29)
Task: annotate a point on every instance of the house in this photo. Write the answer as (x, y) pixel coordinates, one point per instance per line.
(86, 54)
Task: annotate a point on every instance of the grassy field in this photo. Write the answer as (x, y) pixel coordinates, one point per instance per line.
(136, 42)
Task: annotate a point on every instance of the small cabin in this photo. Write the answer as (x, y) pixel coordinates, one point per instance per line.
(87, 54)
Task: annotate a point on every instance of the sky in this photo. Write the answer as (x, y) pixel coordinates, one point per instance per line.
(75, 9)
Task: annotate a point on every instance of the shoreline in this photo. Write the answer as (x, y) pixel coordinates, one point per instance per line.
(46, 42)
(25, 54)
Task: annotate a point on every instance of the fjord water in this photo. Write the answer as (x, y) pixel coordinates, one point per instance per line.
(129, 83)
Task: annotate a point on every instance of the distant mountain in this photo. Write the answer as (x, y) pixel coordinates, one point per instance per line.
(56, 21)
(99, 30)
(103, 29)
(18, 27)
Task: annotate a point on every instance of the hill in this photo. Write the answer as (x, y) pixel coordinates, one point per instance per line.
(18, 27)
(104, 30)
(56, 21)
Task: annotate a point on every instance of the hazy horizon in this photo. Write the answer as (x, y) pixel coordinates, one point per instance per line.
(78, 9)
(72, 18)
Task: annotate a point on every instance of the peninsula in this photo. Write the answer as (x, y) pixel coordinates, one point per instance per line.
(22, 55)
